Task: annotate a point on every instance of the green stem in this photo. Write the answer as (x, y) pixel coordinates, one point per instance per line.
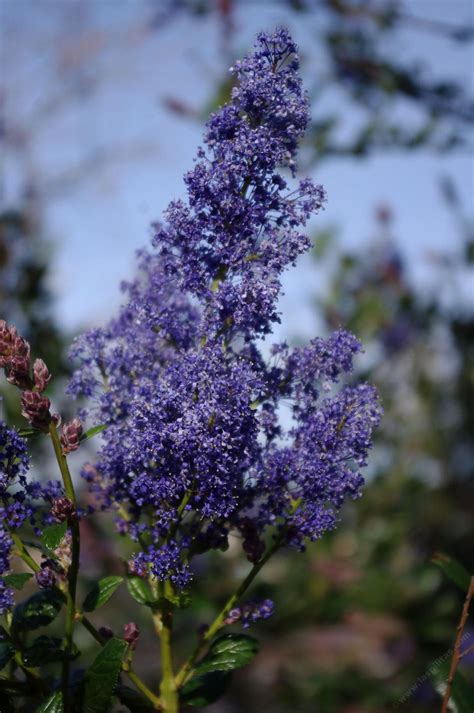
(88, 625)
(142, 687)
(73, 569)
(126, 665)
(168, 689)
(23, 552)
(62, 462)
(184, 673)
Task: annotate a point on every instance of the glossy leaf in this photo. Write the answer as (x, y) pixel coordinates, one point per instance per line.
(454, 570)
(101, 678)
(228, 652)
(140, 590)
(54, 704)
(206, 689)
(17, 581)
(6, 653)
(101, 593)
(53, 535)
(39, 610)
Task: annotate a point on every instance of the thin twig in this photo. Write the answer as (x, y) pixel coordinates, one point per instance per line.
(457, 647)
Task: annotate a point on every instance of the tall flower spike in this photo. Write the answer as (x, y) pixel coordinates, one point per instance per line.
(195, 441)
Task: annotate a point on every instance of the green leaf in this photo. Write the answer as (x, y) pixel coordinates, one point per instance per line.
(93, 432)
(101, 592)
(39, 610)
(101, 678)
(228, 652)
(6, 653)
(206, 689)
(53, 535)
(139, 590)
(17, 581)
(462, 694)
(54, 704)
(44, 650)
(453, 569)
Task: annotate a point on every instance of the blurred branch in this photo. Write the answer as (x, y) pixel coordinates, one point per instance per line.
(457, 647)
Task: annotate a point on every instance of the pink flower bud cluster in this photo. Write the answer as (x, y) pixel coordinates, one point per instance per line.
(15, 359)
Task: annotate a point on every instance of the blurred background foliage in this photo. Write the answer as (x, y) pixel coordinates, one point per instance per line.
(362, 616)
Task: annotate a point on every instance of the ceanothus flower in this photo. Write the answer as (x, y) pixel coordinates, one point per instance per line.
(22, 501)
(196, 444)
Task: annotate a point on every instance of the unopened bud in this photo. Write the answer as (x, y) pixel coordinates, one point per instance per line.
(35, 408)
(63, 553)
(45, 577)
(62, 509)
(7, 336)
(71, 435)
(106, 632)
(14, 356)
(131, 632)
(41, 374)
(18, 371)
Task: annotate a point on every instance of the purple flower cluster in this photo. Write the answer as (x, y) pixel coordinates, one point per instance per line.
(250, 612)
(21, 500)
(13, 465)
(205, 435)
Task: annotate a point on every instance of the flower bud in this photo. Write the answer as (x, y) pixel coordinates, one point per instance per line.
(14, 356)
(35, 408)
(106, 632)
(62, 509)
(18, 371)
(71, 436)
(41, 375)
(45, 577)
(131, 633)
(63, 553)
(7, 335)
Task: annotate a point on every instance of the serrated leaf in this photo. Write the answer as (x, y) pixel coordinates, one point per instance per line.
(101, 678)
(206, 689)
(17, 581)
(44, 650)
(93, 432)
(6, 653)
(54, 704)
(462, 694)
(39, 610)
(53, 535)
(228, 652)
(453, 569)
(140, 590)
(101, 592)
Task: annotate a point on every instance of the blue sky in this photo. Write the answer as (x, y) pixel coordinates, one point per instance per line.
(98, 221)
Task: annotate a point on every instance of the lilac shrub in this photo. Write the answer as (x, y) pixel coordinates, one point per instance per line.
(207, 429)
